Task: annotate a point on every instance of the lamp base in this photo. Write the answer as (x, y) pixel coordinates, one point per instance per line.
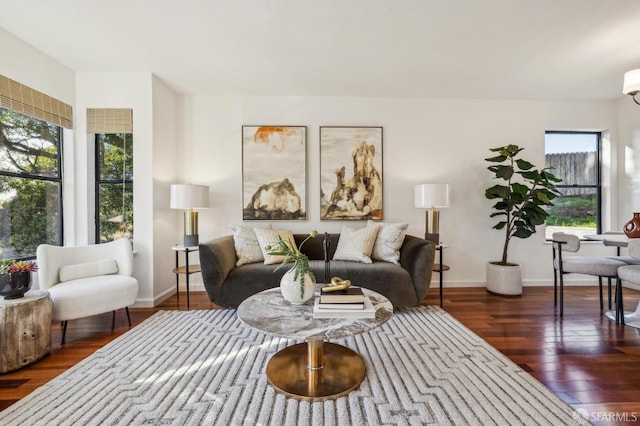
(434, 238)
(191, 240)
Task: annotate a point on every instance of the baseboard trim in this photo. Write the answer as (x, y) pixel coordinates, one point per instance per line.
(153, 302)
(531, 283)
(150, 303)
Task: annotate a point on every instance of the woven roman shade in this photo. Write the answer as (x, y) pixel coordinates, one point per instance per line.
(22, 99)
(109, 120)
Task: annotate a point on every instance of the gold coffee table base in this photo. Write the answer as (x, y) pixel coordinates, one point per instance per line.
(315, 371)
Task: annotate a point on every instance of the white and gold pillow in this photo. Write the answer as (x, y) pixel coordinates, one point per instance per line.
(388, 241)
(356, 244)
(246, 244)
(269, 237)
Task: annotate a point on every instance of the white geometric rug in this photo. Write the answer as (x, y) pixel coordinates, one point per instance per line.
(206, 368)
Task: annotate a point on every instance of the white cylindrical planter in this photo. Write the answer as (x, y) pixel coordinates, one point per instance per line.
(503, 279)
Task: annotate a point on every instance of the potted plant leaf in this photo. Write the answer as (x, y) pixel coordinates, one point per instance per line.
(299, 283)
(521, 196)
(15, 277)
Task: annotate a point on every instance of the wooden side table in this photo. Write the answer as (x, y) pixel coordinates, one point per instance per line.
(185, 270)
(25, 330)
(440, 267)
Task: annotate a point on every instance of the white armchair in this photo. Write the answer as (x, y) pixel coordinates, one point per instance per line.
(87, 280)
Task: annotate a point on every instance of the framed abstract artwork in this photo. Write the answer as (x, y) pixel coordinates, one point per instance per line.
(274, 175)
(350, 173)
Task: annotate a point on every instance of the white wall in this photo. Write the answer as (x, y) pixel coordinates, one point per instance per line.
(197, 139)
(125, 90)
(25, 64)
(629, 158)
(423, 141)
(155, 134)
(165, 230)
(628, 153)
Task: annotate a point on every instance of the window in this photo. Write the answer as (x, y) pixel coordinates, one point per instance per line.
(30, 185)
(114, 186)
(575, 158)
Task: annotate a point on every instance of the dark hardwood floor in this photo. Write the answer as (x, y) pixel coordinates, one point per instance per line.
(584, 358)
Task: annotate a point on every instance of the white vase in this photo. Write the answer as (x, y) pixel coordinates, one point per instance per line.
(290, 288)
(504, 279)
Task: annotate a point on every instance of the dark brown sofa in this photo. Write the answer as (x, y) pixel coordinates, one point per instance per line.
(404, 285)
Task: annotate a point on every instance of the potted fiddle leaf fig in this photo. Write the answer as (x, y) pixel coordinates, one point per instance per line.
(521, 195)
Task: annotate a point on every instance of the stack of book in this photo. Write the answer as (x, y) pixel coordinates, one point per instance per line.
(348, 303)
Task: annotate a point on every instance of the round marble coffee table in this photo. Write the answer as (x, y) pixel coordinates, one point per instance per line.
(316, 370)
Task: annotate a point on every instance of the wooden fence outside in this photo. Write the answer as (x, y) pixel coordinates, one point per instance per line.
(574, 168)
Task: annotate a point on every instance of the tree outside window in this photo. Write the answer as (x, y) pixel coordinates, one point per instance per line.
(114, 186)
(30, 185)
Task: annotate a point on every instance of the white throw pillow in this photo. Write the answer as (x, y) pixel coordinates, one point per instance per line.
(269, 237)
(356, 244)
(246, 244)
(388, 241)
(88, 269)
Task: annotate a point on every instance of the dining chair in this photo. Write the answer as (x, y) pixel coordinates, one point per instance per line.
(573, 264)
(629, 260)
(631, 274)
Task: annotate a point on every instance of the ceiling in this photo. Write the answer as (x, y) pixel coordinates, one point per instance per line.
(515, 49)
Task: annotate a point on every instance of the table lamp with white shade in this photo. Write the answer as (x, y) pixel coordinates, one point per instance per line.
(190, 197)
(432, 196)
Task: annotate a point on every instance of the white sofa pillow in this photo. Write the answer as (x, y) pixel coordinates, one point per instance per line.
(269, 237)
(88, 269)
(246, 244)
(356, 244)
(388, 241)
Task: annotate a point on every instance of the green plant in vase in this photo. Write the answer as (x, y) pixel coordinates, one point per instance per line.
(15, 277)
(293, 254)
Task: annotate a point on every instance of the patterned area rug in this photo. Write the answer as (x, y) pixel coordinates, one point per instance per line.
(206, 367)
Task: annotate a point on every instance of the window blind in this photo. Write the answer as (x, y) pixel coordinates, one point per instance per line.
(22, 99)
(109, 120)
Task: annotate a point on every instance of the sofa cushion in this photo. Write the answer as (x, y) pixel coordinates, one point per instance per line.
(246, 244)
(88, 269)
(356, 244)
(269, 237)
(388, 241)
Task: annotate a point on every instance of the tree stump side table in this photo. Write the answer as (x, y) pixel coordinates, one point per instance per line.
(25, 330)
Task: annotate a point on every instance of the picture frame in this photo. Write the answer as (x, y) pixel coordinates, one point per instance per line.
(274, 172)
(351, 173)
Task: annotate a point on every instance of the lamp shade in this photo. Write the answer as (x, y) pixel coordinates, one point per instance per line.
(429, 195)
(631, 84)
(187, 196)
